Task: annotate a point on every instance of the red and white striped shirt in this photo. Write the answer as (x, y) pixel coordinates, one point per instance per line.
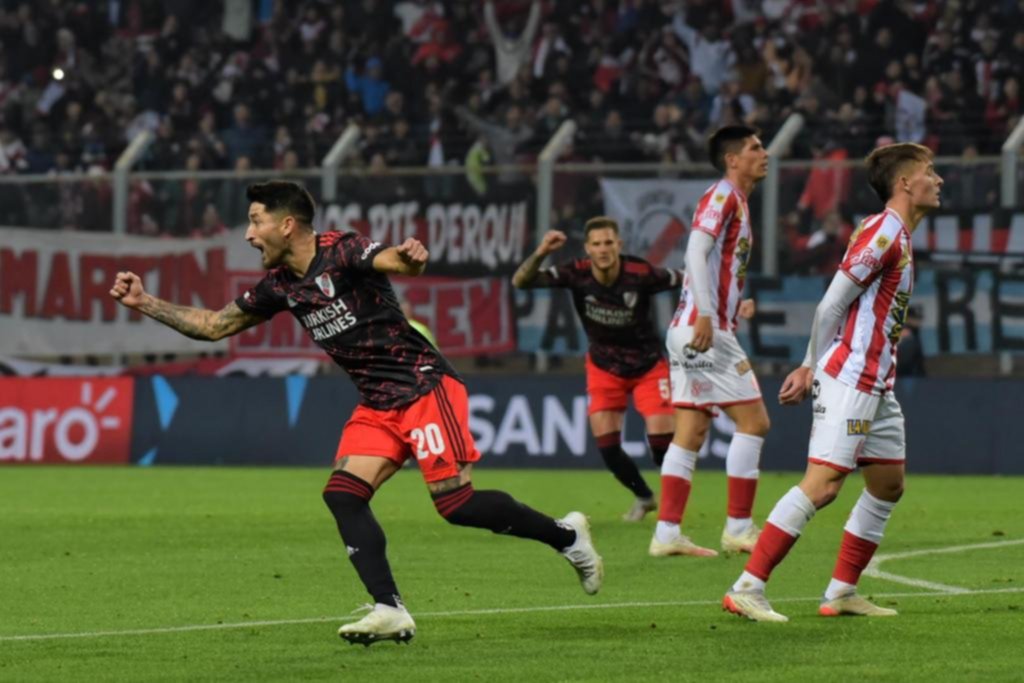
(723, 214)
(879, 258)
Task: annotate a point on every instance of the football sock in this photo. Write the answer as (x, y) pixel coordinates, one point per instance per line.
(348, 498)
(621, 465)
(741, 467)
(676, 475)
(785, 523)
(659, 443)
(502, 514)
(861, 536)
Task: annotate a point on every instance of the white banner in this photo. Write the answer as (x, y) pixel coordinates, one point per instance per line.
(654, 215)
(54, 289)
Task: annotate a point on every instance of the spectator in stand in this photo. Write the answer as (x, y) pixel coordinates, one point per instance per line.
(243, 139)
(400, 147)
(504, 141)
(614, 144)
(512, 49)
(972, 186)
(821, 252)
(828, 183)
(369, 85)
(711, 56)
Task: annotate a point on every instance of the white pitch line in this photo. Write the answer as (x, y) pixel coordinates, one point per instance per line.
(873, 569)
(460, 613)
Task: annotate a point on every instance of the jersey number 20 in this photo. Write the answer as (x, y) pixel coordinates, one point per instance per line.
(429, 436)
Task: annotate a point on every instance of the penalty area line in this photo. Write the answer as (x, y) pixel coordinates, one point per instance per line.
(463, 613)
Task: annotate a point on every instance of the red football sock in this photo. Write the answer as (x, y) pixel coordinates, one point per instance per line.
(854, 555)
(741, 497)
(772, 547)
(675, 491)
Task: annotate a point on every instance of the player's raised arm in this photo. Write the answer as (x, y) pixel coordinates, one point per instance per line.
(408, 258)
(197, 323)
(528, 274)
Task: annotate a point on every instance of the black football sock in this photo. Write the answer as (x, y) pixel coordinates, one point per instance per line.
(502, 514)
(658, 444)
(621, 465)
(348, 498)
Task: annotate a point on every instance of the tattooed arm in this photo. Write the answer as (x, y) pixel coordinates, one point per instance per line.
(528, 273)
(197, 323)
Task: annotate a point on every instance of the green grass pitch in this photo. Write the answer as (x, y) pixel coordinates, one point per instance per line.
(131, 574)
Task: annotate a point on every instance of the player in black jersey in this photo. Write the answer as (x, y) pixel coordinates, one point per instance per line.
(612, 295)
(413, 404)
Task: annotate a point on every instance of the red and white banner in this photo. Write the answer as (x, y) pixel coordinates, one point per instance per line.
(469, 317)
(65, 420)
(54, 298)
(654, 216)
(54, 290)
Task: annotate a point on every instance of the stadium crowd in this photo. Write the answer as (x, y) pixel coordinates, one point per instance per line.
(243, 84)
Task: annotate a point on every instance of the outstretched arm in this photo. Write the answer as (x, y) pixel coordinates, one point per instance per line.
(196, 323)
(528, 275)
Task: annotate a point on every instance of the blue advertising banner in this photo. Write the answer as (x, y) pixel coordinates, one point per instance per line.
(953, 426)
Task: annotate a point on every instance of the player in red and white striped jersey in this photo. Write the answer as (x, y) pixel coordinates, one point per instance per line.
(849, 371)
(708, 368)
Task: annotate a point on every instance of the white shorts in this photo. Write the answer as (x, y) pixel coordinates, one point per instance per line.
(718, 378)
(851, 427)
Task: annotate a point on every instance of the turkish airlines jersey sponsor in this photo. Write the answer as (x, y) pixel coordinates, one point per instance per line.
(617, 317)
(880, 259)
(723, 214)
(351, 312)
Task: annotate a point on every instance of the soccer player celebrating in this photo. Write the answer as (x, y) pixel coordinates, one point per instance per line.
(708, 367)
(849, 370)
(413, 404)
(612, 295)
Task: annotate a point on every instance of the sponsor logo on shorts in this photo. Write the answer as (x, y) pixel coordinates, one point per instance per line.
(698, 365)
(858, 427)
(819, 409)
(690, 352)
(700, 387)
(815, 389)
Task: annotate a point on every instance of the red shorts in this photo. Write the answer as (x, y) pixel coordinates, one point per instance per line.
(433, 428)
(651, 392)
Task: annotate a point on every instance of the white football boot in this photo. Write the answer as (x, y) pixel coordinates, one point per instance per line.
(752, 605)
(384, 622)
(581, 555)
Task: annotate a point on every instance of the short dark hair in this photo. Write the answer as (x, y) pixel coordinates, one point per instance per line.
(599, 223)
(728, 140)
(284, 196)
(887, 162)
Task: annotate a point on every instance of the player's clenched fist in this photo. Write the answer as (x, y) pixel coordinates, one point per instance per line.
(553, 241)
(128, 289)
(413, 252)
